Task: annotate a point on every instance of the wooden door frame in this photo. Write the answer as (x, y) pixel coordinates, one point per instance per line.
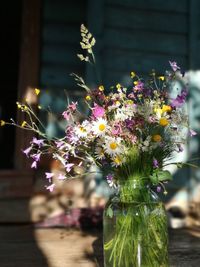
(18, 182)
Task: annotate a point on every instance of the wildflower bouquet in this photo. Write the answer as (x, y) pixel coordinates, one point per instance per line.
(130, 133)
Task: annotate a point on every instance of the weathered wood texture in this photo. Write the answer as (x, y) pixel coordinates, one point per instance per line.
(60, 43)
(22, 246)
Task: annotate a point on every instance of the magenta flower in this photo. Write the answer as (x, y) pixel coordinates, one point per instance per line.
(34, 165)
(174, 65)
(27, 151)
(50, 187)
(180, 99)
(109, 179)
(98, 111)
(39, 142)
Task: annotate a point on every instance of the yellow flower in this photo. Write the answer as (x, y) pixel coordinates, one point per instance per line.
(18, 105)
(118, 103)
(23, 123)
(37, 91)
(133, 74)
(163, 122)
(135, 82)
(158, 110)
(156, 138)
(2, 123)
(129, 102)
(88, 98)
(118, 86)
(101, 88)
(166, 108)
(162, 78)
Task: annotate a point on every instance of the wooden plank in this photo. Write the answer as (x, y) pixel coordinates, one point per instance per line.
(146, 41)
(194, 32)
(96, 27)
(15, 184)
(60, 33)
(72, 248)
(64, 11)
(120, 17)
(139, 61)
(60, 54)
(58, 75)
(167, 6)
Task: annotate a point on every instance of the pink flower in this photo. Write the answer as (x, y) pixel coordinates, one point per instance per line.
(61, 177)
(116, 129)
(49, 175)
(72, 106)
(50, 187)
(98, 111)
(192, 132)
(174, 65)
(66, 115)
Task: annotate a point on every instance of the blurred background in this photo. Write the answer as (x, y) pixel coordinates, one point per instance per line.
(40, 40)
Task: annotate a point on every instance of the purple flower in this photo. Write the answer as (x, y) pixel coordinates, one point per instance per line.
(39, 142)
(174, 65)
(27, 151)
(34, 164)
(49, 175)
(129, 123)
(158, 189)
(109, 179)
(69, 166)
(139, 86)
(192, 132)
(50, 187)
(36, 157)
(155, 163)
(180, 99)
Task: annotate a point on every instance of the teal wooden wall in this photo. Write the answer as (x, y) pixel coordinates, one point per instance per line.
(132, 35)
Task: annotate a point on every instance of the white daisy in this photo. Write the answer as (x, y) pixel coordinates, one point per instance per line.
(113, 146)
(81, 131)
(117, 161)
(99, 127)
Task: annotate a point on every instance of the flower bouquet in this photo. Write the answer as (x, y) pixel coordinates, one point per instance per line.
(129, 133)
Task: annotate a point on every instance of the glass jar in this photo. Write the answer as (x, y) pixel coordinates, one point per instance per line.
(135, 228)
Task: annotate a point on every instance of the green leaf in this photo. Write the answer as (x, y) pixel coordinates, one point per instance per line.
(109, 212)
(164, 176)
(154, 179)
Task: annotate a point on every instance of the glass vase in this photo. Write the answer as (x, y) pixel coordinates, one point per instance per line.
(135, 228)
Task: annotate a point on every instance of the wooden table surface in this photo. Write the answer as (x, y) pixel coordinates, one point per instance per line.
(23, 246)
